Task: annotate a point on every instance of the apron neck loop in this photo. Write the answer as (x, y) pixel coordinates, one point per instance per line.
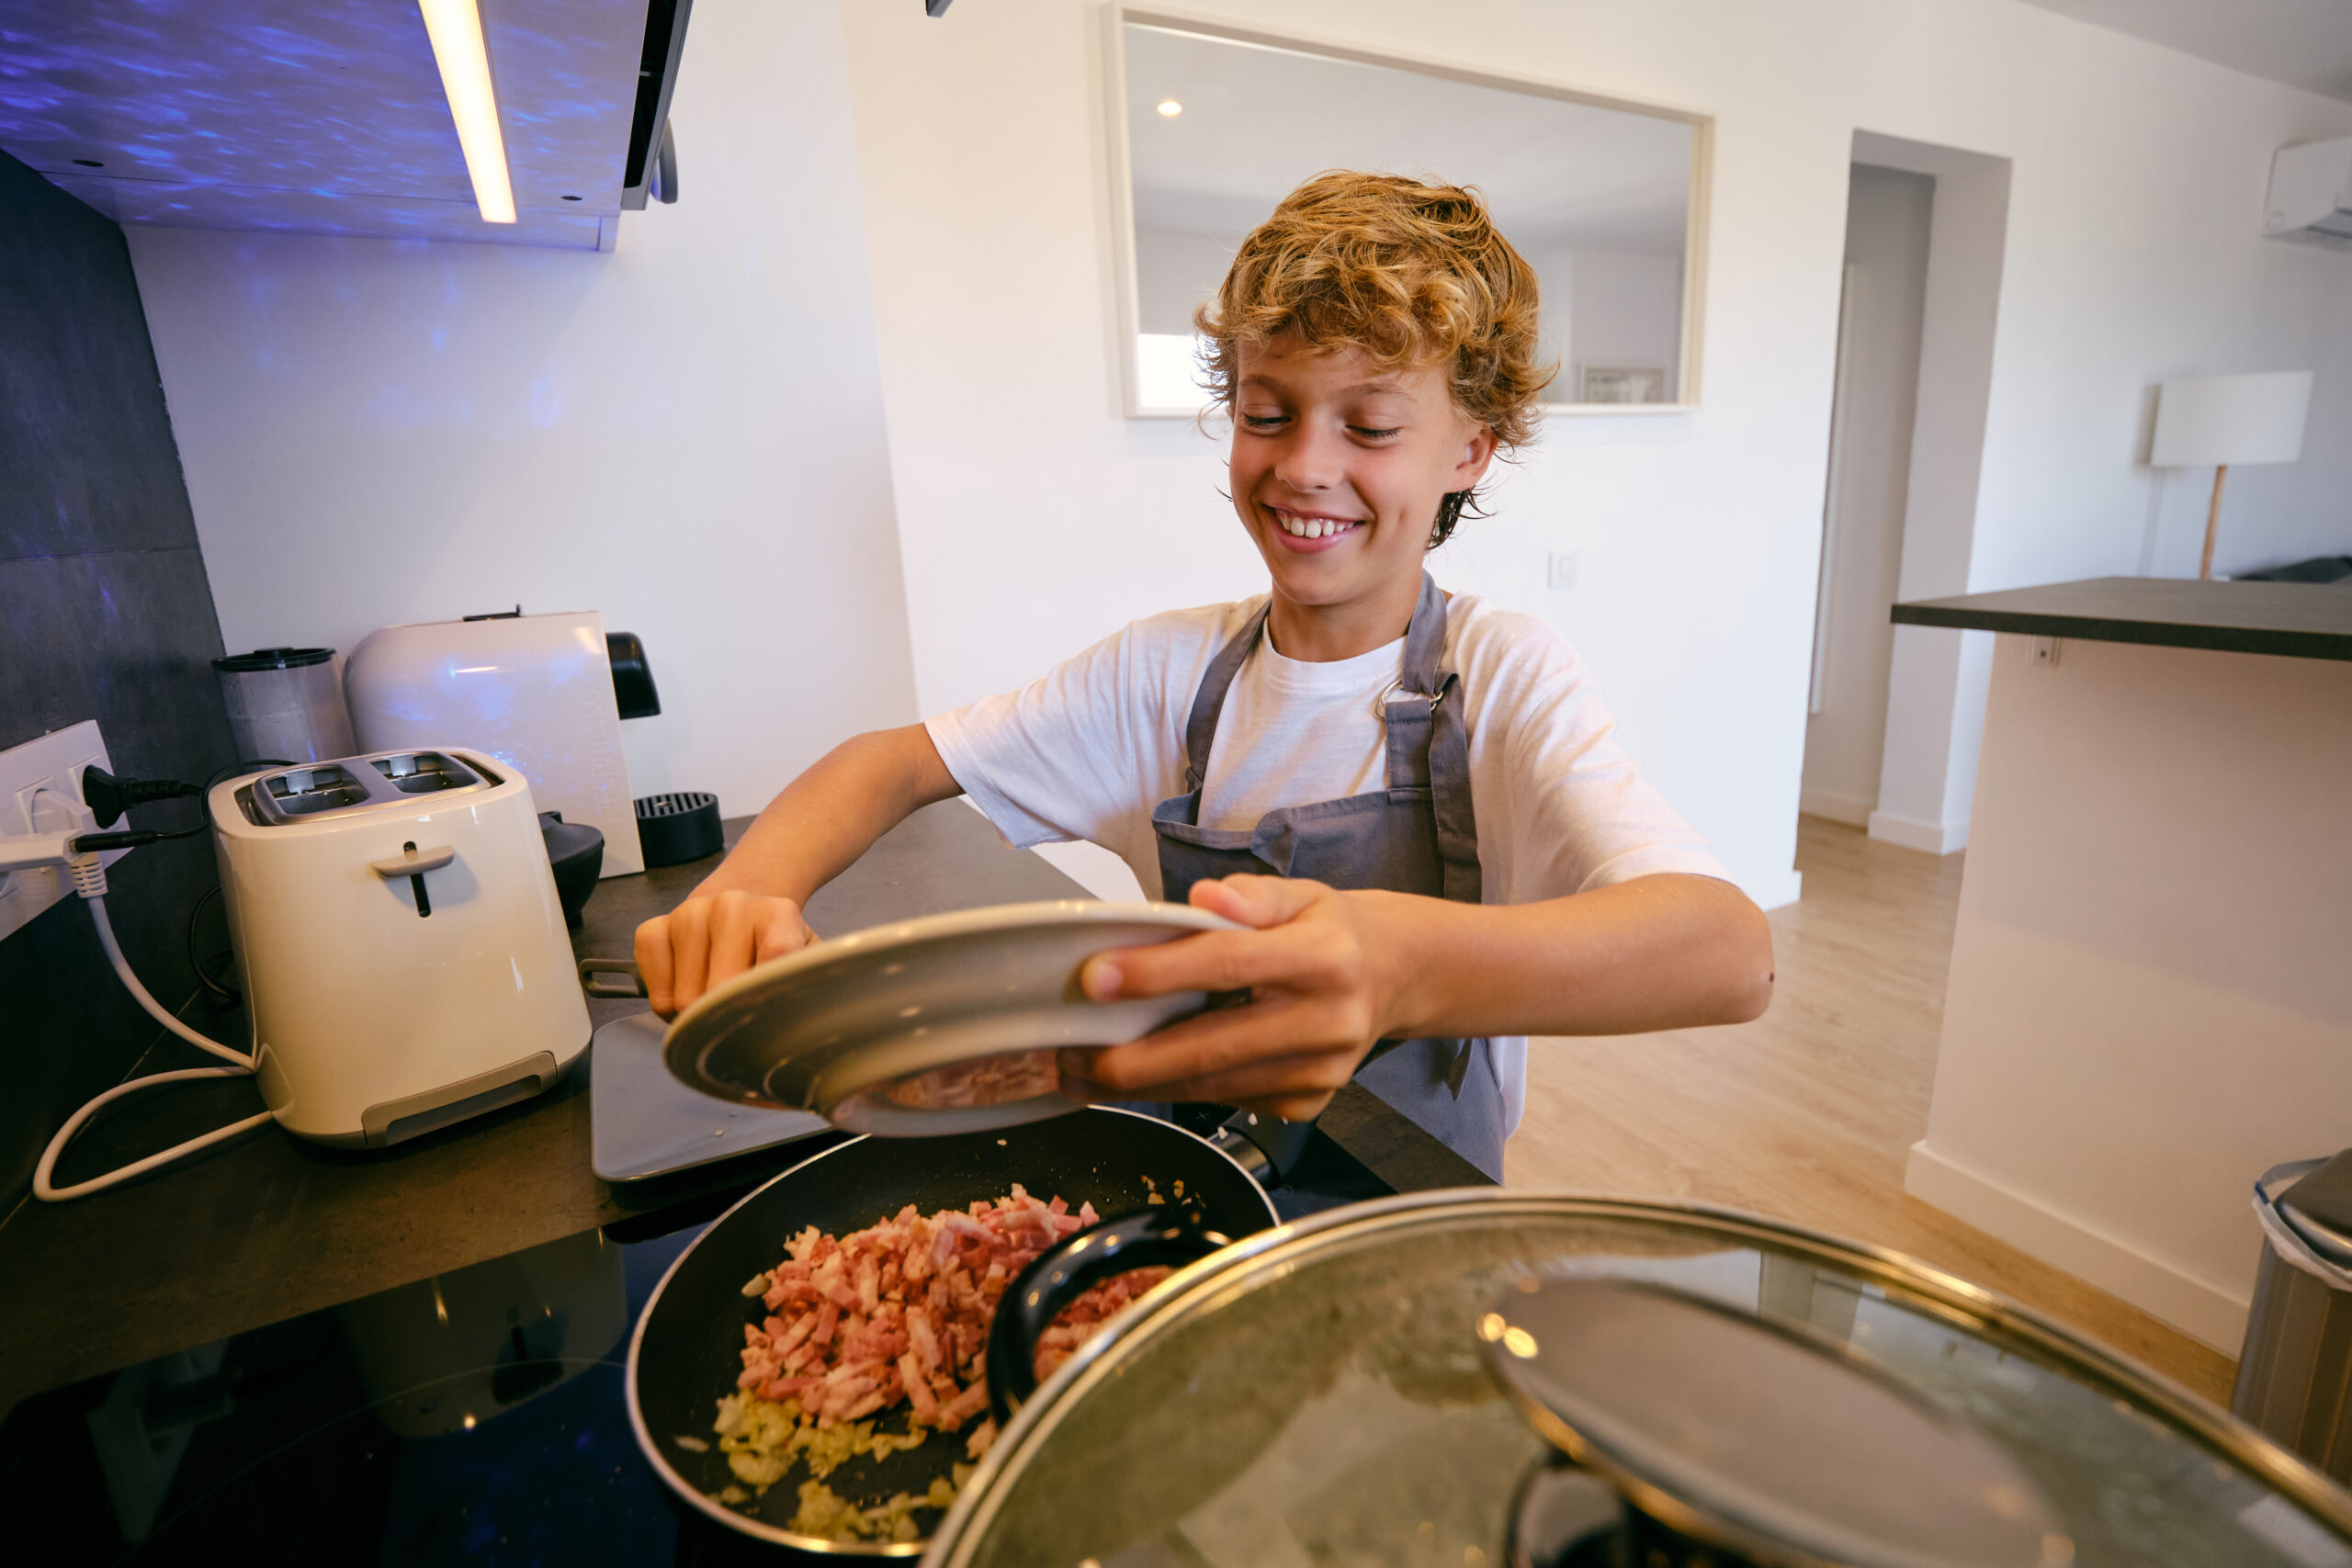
(1425, 641)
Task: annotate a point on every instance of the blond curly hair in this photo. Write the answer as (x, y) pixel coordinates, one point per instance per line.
(1412, 275)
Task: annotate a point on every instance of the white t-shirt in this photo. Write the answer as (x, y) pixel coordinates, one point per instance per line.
(1089, 748)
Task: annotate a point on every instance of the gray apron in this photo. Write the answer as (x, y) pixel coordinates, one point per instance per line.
(1417, 835)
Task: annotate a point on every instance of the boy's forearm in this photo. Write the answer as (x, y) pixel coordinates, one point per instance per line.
(1665, 951)
(834, 813)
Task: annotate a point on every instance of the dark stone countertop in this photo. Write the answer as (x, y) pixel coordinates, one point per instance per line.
(270, 1226)
(2300, 620)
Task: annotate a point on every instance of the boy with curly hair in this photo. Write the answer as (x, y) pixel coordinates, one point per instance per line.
(1412, 801)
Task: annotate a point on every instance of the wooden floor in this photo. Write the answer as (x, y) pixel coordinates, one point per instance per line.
(1807, 1114)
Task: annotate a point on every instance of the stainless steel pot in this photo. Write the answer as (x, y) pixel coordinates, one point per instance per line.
(1320, 1393)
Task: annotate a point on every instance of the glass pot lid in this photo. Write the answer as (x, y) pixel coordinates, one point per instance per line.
(1320, 1395)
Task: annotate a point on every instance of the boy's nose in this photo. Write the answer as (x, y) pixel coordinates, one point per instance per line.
(1312, 459)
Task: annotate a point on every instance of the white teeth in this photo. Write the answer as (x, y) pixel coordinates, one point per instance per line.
(1311, 527)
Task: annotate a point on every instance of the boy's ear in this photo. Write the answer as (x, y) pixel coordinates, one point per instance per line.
(1476, 453)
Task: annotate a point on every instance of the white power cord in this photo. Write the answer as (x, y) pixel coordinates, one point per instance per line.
(90, 881)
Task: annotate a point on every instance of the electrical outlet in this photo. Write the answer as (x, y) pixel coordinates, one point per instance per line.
(1560, 573)
(40, 791)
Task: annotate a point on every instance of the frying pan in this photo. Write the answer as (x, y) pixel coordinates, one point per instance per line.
(683, 1356)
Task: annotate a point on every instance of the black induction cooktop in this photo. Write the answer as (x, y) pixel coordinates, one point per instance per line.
(477, 1416)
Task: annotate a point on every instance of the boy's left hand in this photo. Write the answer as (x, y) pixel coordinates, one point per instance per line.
(1325, 970)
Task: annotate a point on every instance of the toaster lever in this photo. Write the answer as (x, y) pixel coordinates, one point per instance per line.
(413, 864)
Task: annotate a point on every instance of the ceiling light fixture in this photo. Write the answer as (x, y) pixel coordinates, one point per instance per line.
(1170, 108)
(455, 27)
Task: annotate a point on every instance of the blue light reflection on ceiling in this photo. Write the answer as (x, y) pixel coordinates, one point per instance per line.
(316, 116)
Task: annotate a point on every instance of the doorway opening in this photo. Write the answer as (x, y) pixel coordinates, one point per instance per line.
(1893, 712)
(1879, 315)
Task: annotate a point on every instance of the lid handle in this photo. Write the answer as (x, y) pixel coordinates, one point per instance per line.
(633, 985)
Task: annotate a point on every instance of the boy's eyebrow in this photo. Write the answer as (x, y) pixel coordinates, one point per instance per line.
(1386, 384)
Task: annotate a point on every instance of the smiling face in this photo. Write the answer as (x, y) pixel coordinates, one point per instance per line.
(1337, 470)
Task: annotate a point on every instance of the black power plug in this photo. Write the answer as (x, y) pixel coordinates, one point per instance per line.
(109, 797)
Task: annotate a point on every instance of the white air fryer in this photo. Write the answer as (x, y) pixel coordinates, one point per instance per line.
(405, 958)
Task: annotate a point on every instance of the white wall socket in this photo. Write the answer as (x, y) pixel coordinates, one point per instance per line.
(40, 791)
(1560, 573)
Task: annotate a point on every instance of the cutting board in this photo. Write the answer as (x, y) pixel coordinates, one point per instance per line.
(646, 1122)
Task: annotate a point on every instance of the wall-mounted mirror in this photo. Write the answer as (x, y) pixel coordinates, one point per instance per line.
(1606, 200)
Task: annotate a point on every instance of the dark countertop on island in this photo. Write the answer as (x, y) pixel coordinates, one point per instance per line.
(269, 1226)
(2298, 620)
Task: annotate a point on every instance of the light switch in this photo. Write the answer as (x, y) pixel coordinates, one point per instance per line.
(1561, 570)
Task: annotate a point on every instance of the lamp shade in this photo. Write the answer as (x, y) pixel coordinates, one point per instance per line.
(2210, 419)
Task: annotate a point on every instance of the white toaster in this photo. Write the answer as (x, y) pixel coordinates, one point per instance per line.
(405, 958)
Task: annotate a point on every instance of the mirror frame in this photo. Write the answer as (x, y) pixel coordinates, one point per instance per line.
(1117, 15)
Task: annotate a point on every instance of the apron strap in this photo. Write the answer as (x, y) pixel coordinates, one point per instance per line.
(1429, 745)
(1457, 826)
(1208, 703)
(1425, 639)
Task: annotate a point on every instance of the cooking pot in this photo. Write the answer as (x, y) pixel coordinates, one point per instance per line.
(1379, 1384)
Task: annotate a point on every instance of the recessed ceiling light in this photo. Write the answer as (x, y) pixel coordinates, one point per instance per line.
(455, 27)
(1170, 108)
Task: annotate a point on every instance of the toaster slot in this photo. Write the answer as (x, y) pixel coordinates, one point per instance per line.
(424, 772)
(302, 791)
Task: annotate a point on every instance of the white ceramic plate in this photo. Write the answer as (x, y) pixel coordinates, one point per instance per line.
(944, 1025)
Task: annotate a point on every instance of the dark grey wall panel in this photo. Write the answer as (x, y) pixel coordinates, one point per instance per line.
(105, 613)
(87, 462)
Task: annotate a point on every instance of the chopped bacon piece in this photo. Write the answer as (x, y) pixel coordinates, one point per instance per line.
(900, 1311)
(919, 1395)
(802, 1326)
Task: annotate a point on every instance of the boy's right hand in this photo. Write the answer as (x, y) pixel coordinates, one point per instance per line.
(711, 938)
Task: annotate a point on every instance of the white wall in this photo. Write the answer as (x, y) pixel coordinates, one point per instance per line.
(1625, 312)
(687, 434)
(1175, 271)
(1619, 309)
(1555, 286)
(2290, 511)
(1886, 263)
(1034, 518)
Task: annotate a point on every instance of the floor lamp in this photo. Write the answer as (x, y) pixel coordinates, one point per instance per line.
(2220, 421)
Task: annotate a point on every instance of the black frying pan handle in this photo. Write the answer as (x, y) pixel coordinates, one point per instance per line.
(1266, 1146)
(1172, 1235)
(592, 968)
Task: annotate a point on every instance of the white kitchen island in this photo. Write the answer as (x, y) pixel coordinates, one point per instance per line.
(2151, 992)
